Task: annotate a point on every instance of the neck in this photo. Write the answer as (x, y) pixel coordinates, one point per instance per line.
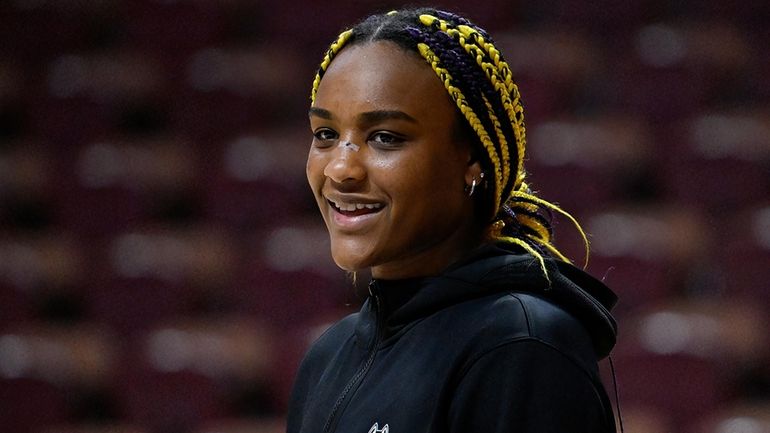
(428, 262)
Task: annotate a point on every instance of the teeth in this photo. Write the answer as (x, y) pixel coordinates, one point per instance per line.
(350, 207)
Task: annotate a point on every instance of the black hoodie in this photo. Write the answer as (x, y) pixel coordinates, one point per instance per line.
(489, 346)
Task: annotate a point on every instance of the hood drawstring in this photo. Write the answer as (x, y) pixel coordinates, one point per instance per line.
(617, 398)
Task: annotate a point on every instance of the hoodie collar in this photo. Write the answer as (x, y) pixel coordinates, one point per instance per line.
(494, 269)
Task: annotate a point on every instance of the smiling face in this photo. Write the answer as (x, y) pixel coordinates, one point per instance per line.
(386, 165)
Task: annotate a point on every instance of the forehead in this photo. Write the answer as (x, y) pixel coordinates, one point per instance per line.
(381, 74)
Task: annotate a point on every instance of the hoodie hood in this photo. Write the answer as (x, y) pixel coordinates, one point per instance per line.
(494, 269)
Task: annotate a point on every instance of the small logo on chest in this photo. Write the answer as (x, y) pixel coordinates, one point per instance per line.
(376, 429)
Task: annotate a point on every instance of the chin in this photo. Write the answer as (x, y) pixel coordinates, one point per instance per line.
(351, 253)
(347, 260)
(350, 264)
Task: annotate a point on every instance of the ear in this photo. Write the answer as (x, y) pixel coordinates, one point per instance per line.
(473, 171)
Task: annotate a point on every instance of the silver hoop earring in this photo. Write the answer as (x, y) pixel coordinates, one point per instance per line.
(472, 188)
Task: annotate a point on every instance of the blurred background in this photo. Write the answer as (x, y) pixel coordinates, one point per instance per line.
(163, 266)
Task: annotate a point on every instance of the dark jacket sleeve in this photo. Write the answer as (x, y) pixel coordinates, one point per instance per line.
(527, 386)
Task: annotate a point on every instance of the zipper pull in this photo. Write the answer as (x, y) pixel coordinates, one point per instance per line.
(379, 323)
(374, 293)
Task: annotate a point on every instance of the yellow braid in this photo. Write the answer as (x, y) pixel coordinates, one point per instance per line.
(429, 20)
(493, 53)
(503, 82)
(466, 110)
(549, 205)
(499, 75)
(528, 248)
(335, 47)
(536, 226)
(500, 138)
(499, 78)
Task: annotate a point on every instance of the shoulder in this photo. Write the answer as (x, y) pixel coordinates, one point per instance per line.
(530, 352)
(508, 317)
(533, 381)
(550, 323)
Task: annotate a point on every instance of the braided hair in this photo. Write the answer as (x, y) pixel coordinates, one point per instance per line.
(479, 81)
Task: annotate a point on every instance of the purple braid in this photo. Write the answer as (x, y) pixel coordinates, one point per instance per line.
(458, 20)
(467, 75)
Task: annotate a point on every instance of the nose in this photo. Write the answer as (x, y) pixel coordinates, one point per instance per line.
(346, 165)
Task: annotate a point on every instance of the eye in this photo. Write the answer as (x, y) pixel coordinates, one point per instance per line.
(324, 137)
(386, 139)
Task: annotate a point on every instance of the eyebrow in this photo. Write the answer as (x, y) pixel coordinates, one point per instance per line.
(380, 115)
(366, 117)
(320, 112)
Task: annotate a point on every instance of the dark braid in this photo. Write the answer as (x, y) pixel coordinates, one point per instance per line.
(469, 78)
(457, 20)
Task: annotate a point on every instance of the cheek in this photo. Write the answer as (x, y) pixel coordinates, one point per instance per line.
(432, 175)
(314, 169)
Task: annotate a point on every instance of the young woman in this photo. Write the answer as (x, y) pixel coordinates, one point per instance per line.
(475, 322)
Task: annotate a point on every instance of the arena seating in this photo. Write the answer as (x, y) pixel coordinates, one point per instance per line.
(163, 267)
